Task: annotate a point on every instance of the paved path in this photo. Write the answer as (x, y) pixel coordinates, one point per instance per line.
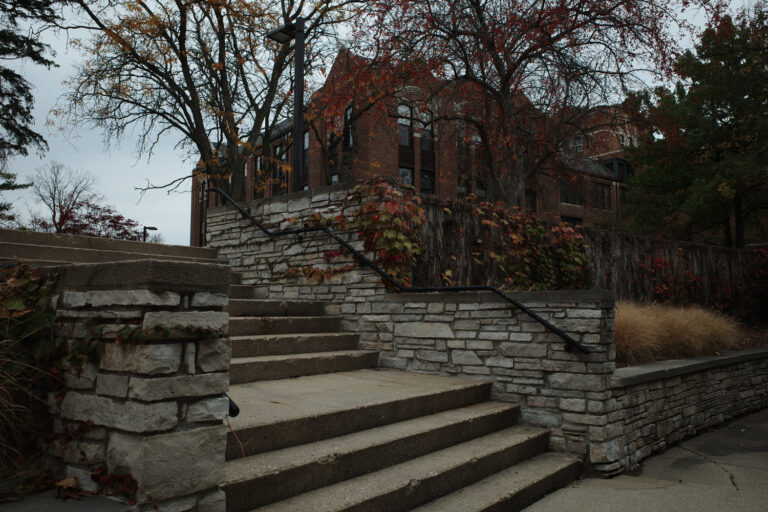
(720, 471)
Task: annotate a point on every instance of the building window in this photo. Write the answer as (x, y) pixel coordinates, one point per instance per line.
(427, 132)
(280, 183)
(480, 189)
(601, 196)
(622, 139)
(620, 169)
(334, 179)
(578, 145)
(427, 181)
(404, 133)
(349, 137)
(530, 200)
(406, 175)
(462, 188)
(572, 191)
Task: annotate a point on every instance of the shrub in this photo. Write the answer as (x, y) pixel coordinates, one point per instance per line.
(525, 252)
(388, 222)
(654, 332)
(27, 350)
(670, 285)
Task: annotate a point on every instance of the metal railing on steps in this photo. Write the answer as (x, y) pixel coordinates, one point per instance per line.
(569, 341)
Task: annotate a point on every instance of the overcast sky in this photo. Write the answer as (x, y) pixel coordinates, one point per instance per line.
(117, 170)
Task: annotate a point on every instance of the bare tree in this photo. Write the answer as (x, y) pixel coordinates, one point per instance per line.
(60, 190)
(202, 71)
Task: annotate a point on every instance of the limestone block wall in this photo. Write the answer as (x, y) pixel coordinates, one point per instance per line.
(144, 409)
(480, 335)
(473, 335)
(589, 410)
(662, 403)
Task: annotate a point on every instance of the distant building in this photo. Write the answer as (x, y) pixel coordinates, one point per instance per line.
(411, 140)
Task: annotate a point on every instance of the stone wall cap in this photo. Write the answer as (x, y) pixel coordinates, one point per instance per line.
(154, 275)
(605, 297)
(631, 375)
(226, 207)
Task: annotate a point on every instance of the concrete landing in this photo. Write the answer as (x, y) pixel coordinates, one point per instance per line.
(722, 470)
(266, 402)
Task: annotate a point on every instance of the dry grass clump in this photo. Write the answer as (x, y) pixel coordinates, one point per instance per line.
(653, 332)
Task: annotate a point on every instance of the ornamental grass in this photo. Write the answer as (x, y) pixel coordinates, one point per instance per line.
(654, 332)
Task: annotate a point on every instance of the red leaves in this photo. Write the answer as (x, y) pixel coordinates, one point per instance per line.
(387, 221)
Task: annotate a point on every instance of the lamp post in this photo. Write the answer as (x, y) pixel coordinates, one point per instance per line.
(148, 228)
(283, 35)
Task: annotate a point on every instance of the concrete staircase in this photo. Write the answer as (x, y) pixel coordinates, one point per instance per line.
(345, 436)
(321, 429)
(53, 249)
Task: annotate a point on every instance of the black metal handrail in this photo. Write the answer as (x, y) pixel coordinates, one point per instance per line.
(570, 342)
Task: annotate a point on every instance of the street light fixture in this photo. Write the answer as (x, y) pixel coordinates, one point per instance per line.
(283, 35)
(148, 228)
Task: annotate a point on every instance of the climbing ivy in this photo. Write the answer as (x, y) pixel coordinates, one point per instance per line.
(388, 222)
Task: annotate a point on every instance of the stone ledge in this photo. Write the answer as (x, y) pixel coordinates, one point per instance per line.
(629, 376)
(153, 275)
(605, 297)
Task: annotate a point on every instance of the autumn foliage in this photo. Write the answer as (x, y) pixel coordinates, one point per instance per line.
(508, 249)
(89, 218)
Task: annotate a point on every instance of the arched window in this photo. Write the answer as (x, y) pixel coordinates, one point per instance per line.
(427, 144)
(427, 131)
(404, 129)
(349, 137)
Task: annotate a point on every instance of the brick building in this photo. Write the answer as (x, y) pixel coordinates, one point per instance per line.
(403, 134)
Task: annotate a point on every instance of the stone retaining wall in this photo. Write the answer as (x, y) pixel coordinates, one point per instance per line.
(470, 334)
(480, 335)
(662, 403)
(576, 396)
(148, 402)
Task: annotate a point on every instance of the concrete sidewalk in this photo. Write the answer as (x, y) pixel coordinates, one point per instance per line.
(722, 470)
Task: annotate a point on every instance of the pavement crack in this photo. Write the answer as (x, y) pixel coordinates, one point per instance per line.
(730, 475)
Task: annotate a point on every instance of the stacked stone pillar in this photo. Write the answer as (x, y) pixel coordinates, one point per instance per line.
(141, 414)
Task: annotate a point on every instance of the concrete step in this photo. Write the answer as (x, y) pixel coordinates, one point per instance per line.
(277, 344)
(255, 307)
(272, 476)
(36, 262)
(250, 369)
(417, 481)
(245, 325)
(241, 291)
(12, 236)
(49, 253)
(280, 413)
(513, 489)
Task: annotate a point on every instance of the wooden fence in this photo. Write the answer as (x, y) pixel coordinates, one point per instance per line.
(724, 278)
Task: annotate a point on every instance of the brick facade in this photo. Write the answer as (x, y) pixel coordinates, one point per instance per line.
(438, 160)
